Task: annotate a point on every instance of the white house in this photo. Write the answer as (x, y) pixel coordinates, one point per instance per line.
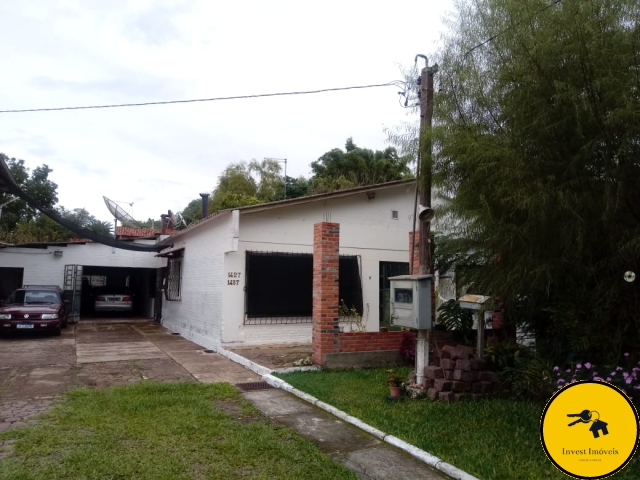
(243, 276)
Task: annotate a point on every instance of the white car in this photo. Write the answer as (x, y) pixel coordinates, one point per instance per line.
(113, 302)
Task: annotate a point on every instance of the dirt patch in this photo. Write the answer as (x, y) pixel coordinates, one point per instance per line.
(6, 448)
(239, 412)
(275, 356)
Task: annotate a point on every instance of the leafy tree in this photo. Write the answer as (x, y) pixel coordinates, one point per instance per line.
(338, 169)
(35, 183)
(235, 184)
(42, 229)
(242, 184)
(536, 141)
(193, 211)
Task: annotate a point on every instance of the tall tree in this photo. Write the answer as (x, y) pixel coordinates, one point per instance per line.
(338, 169)
(537, 141)
(35, 183)
(242, 184)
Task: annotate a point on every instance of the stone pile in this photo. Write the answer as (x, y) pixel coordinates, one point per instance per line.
(458, 375)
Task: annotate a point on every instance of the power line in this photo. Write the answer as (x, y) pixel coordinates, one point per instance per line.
(213, 99)
(484, 42)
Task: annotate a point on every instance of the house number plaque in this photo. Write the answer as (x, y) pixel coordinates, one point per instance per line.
(233, 278)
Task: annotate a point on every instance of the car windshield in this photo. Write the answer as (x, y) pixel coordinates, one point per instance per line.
(34, 297)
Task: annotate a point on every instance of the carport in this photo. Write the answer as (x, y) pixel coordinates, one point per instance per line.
(139, 282)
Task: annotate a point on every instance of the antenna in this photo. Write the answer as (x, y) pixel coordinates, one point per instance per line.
(282, 160)
(119, 213)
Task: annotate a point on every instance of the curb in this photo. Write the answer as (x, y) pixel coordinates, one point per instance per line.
(415, 452)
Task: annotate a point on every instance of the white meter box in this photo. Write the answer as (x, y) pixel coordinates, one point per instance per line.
(411, 301)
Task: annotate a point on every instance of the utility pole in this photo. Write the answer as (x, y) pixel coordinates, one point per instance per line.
(424, 190)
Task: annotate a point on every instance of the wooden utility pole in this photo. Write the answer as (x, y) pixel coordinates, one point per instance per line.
(424, 190)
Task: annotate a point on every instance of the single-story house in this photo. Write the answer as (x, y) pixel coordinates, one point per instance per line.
(243, 276)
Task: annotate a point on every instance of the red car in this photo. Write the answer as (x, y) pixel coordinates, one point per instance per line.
(35, 307)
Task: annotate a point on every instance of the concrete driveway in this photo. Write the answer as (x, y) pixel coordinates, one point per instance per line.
(35, 368)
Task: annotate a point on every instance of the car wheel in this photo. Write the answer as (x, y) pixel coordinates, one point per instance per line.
(57, 331)
(65, 323)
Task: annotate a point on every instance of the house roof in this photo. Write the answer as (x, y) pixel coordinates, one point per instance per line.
(142, 232)
(289, 202)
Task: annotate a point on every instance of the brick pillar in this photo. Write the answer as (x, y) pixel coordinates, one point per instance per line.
(414, 237)
(325, 335)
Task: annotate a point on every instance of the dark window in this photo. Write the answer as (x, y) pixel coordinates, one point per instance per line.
(403, 295)
(174, 278)
(389, 269)
(281, 285)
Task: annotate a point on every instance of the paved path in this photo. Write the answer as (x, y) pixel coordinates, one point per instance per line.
(34, 371)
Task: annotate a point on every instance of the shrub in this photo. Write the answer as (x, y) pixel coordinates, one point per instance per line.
(626, 378)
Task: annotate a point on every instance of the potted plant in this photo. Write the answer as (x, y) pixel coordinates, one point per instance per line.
(395, 383)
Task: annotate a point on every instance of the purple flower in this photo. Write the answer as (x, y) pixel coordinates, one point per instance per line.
(595, 373)
(598, 379)
(618, 368)
(588, 365)
(637, 387)
(613, 374)
(545, 378)
(561, 380)
(608, 379)
(625, 374)
(628, 380)
(568, 370)
(626, 354)
(555, 369)
(578, 366)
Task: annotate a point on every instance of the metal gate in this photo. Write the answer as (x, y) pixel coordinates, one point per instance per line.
(161, 274)
(388, 269)
(73, 290)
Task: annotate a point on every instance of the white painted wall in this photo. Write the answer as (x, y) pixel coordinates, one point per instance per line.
(198, 315)
(41, 267)
(366, 229)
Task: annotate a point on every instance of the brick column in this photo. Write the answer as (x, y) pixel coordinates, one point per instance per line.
(414, 237)
(325, 335)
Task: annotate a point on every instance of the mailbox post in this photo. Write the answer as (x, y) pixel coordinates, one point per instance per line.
(477, 304)
(411, 308)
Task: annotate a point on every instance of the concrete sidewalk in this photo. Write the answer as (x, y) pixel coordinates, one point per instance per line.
(362, 453)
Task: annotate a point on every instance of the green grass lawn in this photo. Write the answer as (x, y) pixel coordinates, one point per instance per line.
(492, 439)
(161, 431)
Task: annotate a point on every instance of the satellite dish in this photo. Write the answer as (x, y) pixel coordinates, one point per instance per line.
(179, 220)
(119, 213)
(176, 219)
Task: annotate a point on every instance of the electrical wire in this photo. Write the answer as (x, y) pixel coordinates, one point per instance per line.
(484, 42)
(213, 99)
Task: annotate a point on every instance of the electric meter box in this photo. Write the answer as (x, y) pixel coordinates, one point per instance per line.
(411, 301)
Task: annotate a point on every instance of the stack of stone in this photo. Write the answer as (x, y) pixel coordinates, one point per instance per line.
(458, 375)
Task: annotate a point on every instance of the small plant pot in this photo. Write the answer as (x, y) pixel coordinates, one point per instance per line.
(394, 392)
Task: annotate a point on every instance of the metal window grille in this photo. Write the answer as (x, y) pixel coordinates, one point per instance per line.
(279, 287)
(174, 278)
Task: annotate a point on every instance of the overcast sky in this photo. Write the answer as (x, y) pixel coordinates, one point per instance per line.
(85, 52)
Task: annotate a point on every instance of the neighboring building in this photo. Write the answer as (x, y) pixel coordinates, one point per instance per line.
(243, 276)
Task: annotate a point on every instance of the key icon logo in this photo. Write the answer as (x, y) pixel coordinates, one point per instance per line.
(587, 416)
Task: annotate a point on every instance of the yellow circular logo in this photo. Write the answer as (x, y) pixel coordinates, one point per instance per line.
(589, 429)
